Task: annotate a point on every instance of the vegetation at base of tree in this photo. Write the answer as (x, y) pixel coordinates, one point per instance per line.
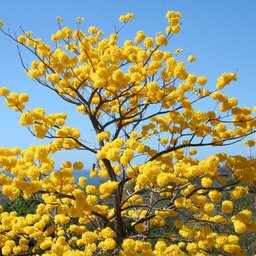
(21, 206)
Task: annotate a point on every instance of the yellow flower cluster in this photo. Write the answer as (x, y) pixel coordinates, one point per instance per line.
(225, 79)
(126, 157)
(173, 19)
(227, 206)
(191, 58)
(238, 192)
(180, 71)
(14, 100)
(202, 80)
(215, 196)
(111, 150)
(131, 246)
(140, 36)
(107, 244)
(250, 143)
(206, 182)
(126, 17)
(41, 121)
(78, 166)
(107, 188)
(4, 91)
(103, 136)
(243, 169)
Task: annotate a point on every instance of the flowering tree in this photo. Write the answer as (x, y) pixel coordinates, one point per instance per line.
(156, 197)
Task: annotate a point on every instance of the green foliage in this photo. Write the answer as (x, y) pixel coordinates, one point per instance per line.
(21, 206)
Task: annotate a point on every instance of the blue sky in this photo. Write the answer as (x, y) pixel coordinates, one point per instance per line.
(220, 33)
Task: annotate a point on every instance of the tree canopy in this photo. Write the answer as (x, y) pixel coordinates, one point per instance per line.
(155, 197)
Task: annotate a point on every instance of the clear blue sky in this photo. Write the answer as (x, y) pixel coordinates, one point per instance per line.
(220, 33)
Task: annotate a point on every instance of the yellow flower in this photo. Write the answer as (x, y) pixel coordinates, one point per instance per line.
(160, 246)
(126, 17)
(23, 97)
(202, 80)
(209, 208)
(107, 233)
(178, 50)
(206, 182)
(62, 219)
(6, 250)
(82, 181)
(192, 151)
(233, 239)
(140, 227)
(233, 249)
(113, 154)
(78, 166)
(89, 237)
(21, 39)
(107, 244)
(59, 19)
(250, 143)
(107, 188)
(244, 216)
(161, 40)
(11, 191)
(225, 79)
(91, 189)
(219, 96)
(17, 249)
(1, 23)
(66, 164)
(191, 58)
(80, 19)
(215, 196)
(29, 33)
(4, 91)
(26, 119)
(186, 232)
(227, 206)
(105, 135)
(46, 244)
(180, 71)
(239, 226)
(127, 156)
(175, 29)
(164, 140)
(192, 248)
(140, 36)
(149, 42)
